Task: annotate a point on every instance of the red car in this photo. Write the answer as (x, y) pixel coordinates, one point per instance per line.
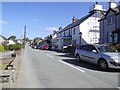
(45, 47)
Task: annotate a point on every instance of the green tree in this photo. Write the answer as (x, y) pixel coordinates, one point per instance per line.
(12, 37)
(27, 39)
(35, 40)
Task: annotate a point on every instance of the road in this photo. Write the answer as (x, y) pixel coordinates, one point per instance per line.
(50, 69)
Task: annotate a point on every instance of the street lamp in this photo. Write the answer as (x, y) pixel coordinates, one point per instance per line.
(80, 37)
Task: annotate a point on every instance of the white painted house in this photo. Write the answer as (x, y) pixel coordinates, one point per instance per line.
(2, 39)
(87, 25)
(11, 42)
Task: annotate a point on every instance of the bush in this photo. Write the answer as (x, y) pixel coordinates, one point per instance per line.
(15, 46)
(1, 48)
(117, 47)
(6, 48)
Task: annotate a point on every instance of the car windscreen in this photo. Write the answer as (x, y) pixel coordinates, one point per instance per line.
(106, 49)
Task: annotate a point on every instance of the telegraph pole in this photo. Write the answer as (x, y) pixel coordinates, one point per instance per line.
(24, 36)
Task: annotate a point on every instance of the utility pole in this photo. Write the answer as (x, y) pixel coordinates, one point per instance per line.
(24, 35)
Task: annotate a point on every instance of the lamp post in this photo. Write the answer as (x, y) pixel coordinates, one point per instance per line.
(80, 37)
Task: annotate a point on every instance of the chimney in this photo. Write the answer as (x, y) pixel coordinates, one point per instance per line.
(74, 19)
(60, 28)
(112, 4)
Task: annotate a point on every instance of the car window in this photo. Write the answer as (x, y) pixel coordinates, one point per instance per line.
(84, 47)
(106, 49)
(91, 48)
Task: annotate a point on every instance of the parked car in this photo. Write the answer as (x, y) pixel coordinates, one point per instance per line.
(102, 55)
(45, 47)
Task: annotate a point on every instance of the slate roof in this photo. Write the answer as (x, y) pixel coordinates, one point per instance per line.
(115, 10)
(78, 22)
(3, 37)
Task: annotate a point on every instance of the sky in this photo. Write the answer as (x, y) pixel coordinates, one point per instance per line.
(40, 18)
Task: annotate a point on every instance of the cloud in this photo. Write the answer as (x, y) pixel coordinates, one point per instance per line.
(51, 29)
(3, 22)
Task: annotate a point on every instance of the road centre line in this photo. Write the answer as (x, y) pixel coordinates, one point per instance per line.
(49, 56)
(72, 66)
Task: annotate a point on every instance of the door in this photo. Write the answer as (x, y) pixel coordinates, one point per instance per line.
(92, 54)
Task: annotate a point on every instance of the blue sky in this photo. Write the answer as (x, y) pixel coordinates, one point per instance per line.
(40, 17)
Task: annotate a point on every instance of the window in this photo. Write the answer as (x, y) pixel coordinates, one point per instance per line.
(74, 31)
(111, 19)
(91, 48)
(84, 47)
(64, 33)
(69, 32)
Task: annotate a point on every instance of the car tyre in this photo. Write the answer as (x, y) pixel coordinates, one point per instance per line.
(103, 65)
(77, 58)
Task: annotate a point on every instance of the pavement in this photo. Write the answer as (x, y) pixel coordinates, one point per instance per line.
(6, 54)
(13, 73)
(50, 69)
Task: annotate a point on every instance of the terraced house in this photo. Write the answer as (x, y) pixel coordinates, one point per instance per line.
(110, 24)
(81, 31)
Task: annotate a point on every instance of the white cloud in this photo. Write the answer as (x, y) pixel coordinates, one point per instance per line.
(51, 29)
(3, 22)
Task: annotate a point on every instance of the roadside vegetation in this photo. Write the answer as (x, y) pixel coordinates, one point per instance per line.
(10, 47)
(1, 48)
(3, 66)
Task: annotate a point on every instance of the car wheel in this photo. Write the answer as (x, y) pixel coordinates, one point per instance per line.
(103, 64)
(78, 58)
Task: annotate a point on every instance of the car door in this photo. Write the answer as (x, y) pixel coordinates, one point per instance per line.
(83, 52)
(92, 54)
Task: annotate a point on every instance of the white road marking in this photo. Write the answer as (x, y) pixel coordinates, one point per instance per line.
(49, 56)
(118, 88)
(72, 66)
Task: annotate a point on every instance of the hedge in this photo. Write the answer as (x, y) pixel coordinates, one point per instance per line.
(15, 46)
(1, 48)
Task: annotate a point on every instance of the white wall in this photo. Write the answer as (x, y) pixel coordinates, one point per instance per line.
(1, 40)
(11, 42)
(76, 35)
(90, 30)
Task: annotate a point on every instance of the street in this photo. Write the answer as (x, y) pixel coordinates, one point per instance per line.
(50, 69)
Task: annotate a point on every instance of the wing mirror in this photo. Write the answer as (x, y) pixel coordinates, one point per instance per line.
(94, 51)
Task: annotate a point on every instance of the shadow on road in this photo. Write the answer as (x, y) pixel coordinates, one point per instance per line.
(89, 65)
(85, 64)
(69, 55)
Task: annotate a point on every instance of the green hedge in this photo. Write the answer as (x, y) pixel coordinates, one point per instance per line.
(15, 46)
(1, 48)
(118, 47)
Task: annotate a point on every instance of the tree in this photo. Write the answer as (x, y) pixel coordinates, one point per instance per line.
(12, 37)
(35, 40)
(27, 39)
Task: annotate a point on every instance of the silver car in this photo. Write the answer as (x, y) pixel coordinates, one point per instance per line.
(102, 55)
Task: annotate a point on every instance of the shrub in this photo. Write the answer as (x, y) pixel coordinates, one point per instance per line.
(6, 48)
(118, 47)
(1, 48)
(15, 46)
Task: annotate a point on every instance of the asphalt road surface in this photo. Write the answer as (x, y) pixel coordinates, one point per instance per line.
(50, 69)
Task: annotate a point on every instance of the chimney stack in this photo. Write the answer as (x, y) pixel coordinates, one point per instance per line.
(74, 19)
(112, 4)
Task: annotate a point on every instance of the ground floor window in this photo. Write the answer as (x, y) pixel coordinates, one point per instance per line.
(113, 38)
